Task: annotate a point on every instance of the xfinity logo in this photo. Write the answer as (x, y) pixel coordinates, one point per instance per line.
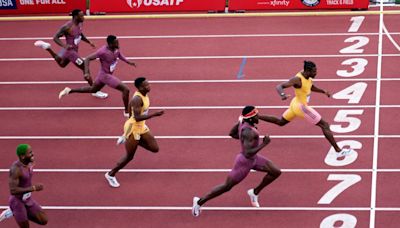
(139, 3)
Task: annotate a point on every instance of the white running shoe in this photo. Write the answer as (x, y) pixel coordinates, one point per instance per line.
(253, 198)
(111, 180)
(196, 207)
(6, 214)
(64, 92)
(345, 152)
(100, 94)
(42, 44)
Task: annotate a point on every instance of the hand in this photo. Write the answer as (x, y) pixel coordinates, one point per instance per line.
(38, 187)
(284, 96)
(132, 64)
(328, 94)
(121, 140)
(266, 140)
(88, 79)
(159, 113)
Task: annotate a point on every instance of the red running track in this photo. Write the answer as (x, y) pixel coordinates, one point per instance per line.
(151, 198)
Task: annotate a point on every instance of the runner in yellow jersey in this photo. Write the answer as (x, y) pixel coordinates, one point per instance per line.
(303, 86)
(136, 133)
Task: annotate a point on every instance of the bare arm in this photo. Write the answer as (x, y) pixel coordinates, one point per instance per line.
(136, 105)
(249, 139)
(295, 82)
(63, 30)
(234, 133)
(123, 58)
(13, 182)
(318, 90)
(84, 38)
(89, 58)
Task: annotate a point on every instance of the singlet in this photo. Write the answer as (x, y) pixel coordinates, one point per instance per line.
(108, 59)
(26, 179)
(74, 35)
(144, 109)
(303, 93)
(242, 126)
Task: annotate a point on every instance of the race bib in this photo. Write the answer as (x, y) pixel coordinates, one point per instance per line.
(26, 196)
(79, 61)
(113, 66)
(77, 40)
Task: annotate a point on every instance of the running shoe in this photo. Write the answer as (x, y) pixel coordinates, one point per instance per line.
(345, 152)
(100, 94)
(253, 198)
(42, 44)
(64, 92)
(112, 181)
(6, 214)
(196, 207)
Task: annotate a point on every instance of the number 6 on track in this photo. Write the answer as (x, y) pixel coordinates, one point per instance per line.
(347, 180)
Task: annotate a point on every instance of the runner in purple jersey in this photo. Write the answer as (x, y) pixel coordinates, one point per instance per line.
(245, 161)
(108, 55)
(72, 31)
(22, 206)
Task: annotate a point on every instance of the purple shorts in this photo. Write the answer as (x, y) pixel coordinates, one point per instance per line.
(107, 79)
(243, 166)
(22, 210)
(71, 55)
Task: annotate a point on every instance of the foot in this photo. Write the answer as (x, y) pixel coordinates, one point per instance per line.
(112, 181)
(253, 198)
(64, 92)
(345, 152)
(100, 94)
(42, 44)
(196, 207)
(6, 214)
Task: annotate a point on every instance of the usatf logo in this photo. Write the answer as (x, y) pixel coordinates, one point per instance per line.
(8, 4)
(139, 3)
(310, 2)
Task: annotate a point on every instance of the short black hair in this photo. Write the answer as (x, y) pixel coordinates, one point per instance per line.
(75, 12)
(110, 39)
(247, 110)
(308, 65)
(139, 81)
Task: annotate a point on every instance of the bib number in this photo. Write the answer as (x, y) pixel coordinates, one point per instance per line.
(113, 66)
(77, 40)
(26, 196)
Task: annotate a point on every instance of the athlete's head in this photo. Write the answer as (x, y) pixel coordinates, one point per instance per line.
(25, 153)
(250, 114)
(112, 42)
(310, 69)
(142, 85)
(78, 15)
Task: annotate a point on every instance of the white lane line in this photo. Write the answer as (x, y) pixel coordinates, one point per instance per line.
(188, 170)
(390, 37)
(194, 137)
(210, 57)
(202, 36)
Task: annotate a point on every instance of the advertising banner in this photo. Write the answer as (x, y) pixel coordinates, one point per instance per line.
(40, 6)
(130, 6)
(297, 4)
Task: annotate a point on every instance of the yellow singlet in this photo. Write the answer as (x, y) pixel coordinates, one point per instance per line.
(138, 128)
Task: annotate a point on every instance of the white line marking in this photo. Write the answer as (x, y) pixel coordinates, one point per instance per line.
(200, 81)
(201, 36)
(390, 37)
(171, 208)
(186, 107)
(209, 57)
(376, 123)
(195, 137)
(188, 170)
